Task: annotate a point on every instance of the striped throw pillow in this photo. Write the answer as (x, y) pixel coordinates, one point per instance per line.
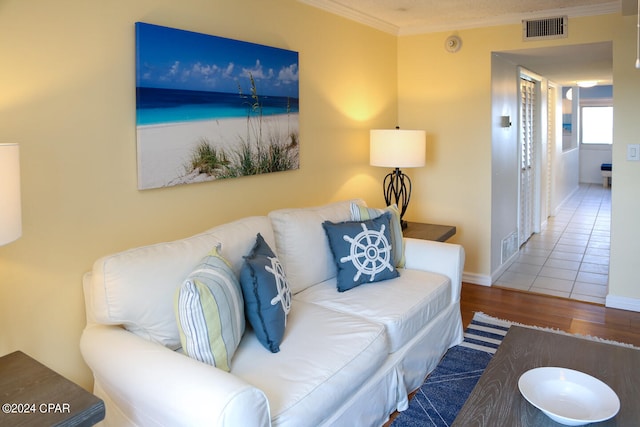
(210, 312)
(363, 213)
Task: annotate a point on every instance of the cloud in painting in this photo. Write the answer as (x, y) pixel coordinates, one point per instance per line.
(288, 74)
(178, 59)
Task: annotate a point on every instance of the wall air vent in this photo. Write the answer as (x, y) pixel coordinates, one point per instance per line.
(545, 28)
(509, 247)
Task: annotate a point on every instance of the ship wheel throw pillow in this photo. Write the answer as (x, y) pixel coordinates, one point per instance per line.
(362, 251)
(267, 296)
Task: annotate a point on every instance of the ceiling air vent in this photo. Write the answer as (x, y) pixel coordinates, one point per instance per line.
(545, 28)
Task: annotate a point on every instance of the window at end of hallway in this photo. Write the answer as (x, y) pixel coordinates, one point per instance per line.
(597, 124)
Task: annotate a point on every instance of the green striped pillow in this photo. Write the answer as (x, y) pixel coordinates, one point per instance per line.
(363, 213)
(210, 312)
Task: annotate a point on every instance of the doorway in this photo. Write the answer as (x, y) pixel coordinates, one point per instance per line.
(528, 140)
(550, 177)
(534, 138)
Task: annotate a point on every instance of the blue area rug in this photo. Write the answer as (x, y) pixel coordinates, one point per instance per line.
(438, 401)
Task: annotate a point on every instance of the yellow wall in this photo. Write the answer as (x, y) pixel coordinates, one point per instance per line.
(449, 95)
(67, 96)
(624, 276)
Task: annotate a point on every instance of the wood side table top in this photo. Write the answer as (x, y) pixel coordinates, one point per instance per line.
(496, 399)
(33, 395)
(419, 230)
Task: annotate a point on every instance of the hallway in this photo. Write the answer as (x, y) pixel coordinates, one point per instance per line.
(570, 257)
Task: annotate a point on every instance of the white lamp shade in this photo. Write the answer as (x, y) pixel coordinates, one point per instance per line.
(10, 208)
(397, 148)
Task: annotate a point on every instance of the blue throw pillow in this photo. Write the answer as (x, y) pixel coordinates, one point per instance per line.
(361, 213)
(267, 296)
(362, 251)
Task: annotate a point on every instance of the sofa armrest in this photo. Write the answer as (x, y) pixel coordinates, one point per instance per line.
(153, 385)
(437, 257)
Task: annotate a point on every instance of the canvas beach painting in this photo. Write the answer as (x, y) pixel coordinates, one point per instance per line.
(209, 108)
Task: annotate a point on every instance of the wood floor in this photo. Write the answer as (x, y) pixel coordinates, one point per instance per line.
(550, 312)
(546, 311)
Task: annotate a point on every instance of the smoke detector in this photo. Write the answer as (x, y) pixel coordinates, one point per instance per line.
(453, 44)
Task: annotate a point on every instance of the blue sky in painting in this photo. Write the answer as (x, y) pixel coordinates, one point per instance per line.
(176, 59)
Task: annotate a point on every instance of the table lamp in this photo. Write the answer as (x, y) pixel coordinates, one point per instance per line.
(397, 148)
(10, 208)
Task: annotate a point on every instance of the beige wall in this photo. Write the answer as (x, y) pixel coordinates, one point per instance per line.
(67, 96)
(624, 276)
(449, 95)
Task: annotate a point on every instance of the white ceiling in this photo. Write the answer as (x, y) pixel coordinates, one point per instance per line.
(567, 65)
(564, 65)
(403, 17)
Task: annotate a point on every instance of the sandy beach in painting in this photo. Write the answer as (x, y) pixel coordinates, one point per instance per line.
(165, 149)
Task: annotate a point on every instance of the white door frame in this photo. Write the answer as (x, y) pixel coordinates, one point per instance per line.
(539, 153)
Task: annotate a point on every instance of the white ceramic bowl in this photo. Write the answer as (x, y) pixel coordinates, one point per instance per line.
(569, 397)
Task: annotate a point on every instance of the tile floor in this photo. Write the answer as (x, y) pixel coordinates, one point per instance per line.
(570, 257)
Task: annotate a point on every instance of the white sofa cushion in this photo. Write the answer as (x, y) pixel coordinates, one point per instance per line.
(239, 237)
(403, 305)
(136, 288)
(302, 245)
(326, 356)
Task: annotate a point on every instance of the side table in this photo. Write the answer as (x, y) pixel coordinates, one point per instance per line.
(419, 230)
(33, 395)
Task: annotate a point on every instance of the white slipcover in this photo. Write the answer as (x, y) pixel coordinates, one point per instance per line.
(347, 359)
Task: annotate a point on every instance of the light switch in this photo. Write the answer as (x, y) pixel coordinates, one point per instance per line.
(633, 152)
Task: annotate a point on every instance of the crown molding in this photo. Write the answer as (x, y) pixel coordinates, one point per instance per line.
(355, 15)
(516, 18)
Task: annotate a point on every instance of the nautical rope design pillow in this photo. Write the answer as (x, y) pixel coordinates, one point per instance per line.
(361, 213)
(362, 251)
(267, 295)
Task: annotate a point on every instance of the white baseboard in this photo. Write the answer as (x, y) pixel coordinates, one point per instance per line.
(623, 303)
(504, 267)
(476, 279)
(558, 208)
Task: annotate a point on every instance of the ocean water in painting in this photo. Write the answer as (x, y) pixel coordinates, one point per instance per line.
(197, 93)
(158, 106)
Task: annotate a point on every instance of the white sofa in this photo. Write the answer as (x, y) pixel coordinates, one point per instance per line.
(347, 358)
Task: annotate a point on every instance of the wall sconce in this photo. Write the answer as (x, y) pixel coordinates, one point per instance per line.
(10, 205)
(397, 148)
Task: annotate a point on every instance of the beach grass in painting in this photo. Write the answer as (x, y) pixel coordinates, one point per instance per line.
(211, 108)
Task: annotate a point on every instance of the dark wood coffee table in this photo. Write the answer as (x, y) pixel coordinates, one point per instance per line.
(496, 400)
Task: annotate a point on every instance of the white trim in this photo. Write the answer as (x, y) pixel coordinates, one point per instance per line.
(557, 210)
(515, 18)
(623, 303)
(352, 14)
(476, 279)
(505, 265)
